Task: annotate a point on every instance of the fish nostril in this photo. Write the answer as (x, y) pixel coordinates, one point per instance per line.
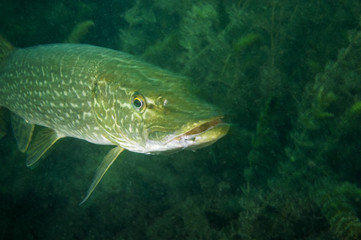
(161, 102)
(165, 102)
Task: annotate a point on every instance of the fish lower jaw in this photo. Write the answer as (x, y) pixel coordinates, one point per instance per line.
(206, 137)
(201, 136)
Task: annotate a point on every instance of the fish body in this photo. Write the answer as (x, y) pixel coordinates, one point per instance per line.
(52, 86)
(102, 96)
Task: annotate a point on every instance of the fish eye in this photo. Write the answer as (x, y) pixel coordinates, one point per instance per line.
(138, 102)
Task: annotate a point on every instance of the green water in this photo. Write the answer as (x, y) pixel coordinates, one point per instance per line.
(288, 75)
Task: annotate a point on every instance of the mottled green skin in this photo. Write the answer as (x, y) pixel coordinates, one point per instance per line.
(86, 92)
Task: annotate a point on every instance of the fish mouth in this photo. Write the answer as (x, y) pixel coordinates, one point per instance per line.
(203, 134)
(203, 127)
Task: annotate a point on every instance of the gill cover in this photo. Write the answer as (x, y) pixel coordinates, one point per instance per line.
(104, 108)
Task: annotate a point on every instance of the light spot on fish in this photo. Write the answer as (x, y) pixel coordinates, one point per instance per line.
(76, 93)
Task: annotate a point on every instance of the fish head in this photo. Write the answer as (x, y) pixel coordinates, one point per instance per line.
(154, 111)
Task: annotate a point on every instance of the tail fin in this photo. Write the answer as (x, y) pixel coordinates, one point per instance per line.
(2, 122)
(5, 48)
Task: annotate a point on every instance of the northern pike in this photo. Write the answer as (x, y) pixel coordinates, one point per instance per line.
(102, 96)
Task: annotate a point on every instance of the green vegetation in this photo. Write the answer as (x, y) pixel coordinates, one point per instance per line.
(288, 75)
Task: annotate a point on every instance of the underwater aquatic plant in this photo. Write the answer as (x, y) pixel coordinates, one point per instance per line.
(328, 123)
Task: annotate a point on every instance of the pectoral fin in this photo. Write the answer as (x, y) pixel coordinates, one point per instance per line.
(41, 142)
(103, 167)
(22, 130)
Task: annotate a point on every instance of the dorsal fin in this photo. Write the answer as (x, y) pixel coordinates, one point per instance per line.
(102, 169)
(79, 31)
(41, 142)
(22, 130)
(5, 48)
